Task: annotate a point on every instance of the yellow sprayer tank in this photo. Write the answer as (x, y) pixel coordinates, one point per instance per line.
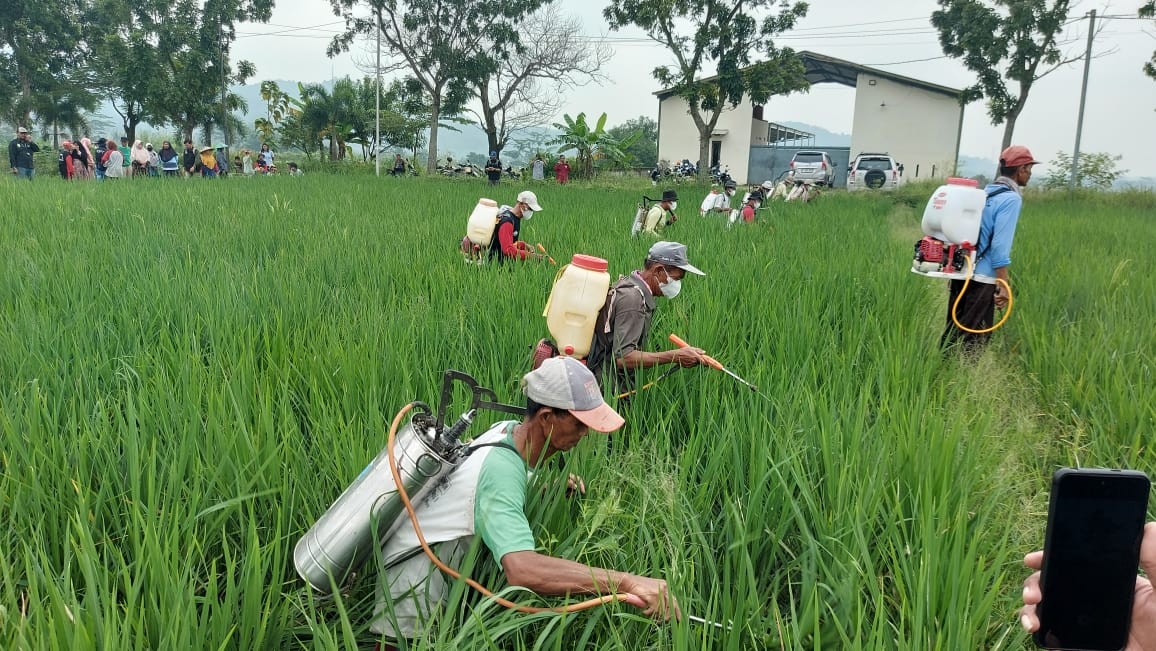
(480, 228)
(578, 294)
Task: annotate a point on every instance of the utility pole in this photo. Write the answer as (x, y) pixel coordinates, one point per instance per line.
(224, 85)
(1083, 98)
(377, 103)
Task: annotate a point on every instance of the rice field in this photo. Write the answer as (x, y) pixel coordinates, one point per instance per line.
(192, 371)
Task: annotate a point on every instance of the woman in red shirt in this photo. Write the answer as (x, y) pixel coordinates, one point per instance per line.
(562, 170)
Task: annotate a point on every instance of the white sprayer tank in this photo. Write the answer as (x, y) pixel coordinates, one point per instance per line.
(578, 294)
(480, 228)
(954, 212)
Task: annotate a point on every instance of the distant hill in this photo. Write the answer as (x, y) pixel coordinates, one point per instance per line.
(823, 137)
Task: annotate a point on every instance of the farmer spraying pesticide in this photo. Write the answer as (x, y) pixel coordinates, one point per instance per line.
(494, 233)
(623, 323)
(974, 256)
(466, 494)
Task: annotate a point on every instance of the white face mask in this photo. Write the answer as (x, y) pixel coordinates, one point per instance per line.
(671, 287)
(673, 206)
(527, 213)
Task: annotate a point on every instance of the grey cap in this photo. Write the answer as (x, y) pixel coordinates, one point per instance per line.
(22, 130)
(673, 254)
(566, 383)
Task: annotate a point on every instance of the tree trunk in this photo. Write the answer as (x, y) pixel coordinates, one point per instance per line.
(1009, 127)
(26, 93)
(704, 152)
(431, 159)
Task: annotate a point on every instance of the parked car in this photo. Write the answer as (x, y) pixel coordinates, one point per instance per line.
(870, 171)
(814, 166)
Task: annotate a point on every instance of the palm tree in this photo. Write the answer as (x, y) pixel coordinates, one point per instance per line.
(330, 115)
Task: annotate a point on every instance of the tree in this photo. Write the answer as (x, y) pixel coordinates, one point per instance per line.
(1096, 171)
(444, 44)
(643, 151)
(590, 143)
(1149, 11)
(1003, 41)
(128, 69)
(328, 115)
(40, 56)
(525, 90)
(725, 32)
(194, 42)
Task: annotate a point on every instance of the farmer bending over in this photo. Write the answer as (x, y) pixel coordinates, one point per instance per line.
(504, 243)
(562, 405)
(623, 323)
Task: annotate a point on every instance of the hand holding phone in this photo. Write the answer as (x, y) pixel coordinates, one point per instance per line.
(1083, 596)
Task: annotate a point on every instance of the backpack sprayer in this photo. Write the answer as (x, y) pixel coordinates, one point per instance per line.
(951, 223)
(370, 510)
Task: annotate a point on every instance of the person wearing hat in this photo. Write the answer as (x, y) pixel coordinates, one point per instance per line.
(662, 213)
(208, 163)
(485, 497)
(997, 229)
(505, 243)
(494, 168)
(20, 152)
(754, 200)
(623, 323)
(722, 200)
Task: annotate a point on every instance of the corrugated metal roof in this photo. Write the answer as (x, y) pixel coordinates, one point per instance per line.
(821, 68)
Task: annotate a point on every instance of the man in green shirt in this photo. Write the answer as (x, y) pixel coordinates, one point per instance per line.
(563, 402)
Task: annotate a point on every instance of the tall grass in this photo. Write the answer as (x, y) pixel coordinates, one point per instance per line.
(193, 371)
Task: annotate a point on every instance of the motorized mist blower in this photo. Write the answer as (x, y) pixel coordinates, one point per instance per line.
(951, 228)
(951, 223)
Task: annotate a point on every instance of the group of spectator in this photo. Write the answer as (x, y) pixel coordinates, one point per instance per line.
(82, 159)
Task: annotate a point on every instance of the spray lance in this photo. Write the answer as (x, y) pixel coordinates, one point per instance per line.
(715, 364)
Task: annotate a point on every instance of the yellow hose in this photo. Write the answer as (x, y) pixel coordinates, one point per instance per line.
(966, 282)
(404, 495)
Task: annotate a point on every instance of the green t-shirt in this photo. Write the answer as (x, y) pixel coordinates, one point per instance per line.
(500, 505)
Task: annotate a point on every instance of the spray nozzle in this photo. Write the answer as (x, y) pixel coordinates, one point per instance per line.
(448, 438)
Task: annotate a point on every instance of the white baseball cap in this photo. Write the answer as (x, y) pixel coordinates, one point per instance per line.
(566, 383)
(530, 199)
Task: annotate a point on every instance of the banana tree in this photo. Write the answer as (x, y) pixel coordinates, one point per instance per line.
(590, 143)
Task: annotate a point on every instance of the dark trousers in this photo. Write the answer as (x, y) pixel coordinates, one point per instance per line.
(976, 311)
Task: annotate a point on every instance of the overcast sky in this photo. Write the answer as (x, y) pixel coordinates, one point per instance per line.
(1119, 114)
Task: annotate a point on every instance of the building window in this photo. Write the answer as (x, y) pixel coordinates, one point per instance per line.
(758, 112)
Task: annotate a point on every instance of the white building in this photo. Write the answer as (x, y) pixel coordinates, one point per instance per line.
(917, 122)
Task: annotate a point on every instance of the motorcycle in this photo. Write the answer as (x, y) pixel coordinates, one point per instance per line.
(720, 175)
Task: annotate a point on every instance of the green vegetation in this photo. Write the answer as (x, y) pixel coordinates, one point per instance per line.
(193, 371)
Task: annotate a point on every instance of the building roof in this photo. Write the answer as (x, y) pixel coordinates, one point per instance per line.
(821, 68)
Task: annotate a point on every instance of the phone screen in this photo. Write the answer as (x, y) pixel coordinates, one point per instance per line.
(1091, 555)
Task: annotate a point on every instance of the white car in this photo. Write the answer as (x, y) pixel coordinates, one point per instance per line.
(813, 166)
(874, 172)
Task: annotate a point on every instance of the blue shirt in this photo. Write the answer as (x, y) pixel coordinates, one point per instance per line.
(997, 229)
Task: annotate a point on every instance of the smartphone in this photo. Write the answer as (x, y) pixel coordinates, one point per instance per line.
(1091, 556)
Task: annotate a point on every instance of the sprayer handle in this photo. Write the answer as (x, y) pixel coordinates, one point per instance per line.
(681, 343)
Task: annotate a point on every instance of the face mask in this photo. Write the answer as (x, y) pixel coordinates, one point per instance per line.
(673, 206)
(671, 287)
(730, 193)
(527, 213)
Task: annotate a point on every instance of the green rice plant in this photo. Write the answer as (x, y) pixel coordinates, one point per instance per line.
(194, 370)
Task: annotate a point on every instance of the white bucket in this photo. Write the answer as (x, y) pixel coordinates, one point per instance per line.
(954, 212)
(480, 228)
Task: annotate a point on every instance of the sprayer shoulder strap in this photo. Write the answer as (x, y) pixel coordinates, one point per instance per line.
(994, 193)
(610, 301)
(500, 444)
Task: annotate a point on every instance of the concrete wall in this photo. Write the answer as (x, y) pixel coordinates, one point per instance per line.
(678, 137)
(767, 163)
(919, 128)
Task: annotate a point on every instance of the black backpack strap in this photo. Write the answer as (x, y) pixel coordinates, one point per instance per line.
(500, 444)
